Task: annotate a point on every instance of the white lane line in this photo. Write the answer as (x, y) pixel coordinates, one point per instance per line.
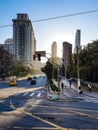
(31, 94)
(18, 93)
(95, 101)
(67, 94)
(25, 94)
(88, 100)
(39, 94)
(29, 100)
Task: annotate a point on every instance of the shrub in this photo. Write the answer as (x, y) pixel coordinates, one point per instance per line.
(54, 87)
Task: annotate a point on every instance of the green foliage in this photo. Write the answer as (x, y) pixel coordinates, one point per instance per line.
(9, 66)
(48, 70)
(89, 60)
(51, 69)
(54, 87)
(19, 70)
(71, 70)
(88, 63)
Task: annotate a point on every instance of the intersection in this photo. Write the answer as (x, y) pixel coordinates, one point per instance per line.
(27, 106)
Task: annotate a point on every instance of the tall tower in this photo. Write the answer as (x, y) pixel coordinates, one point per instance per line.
(77, 41)
(23, 39)
(67, 49)
(54, 50)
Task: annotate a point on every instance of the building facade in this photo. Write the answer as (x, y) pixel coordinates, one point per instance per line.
(8, 45)
(77, 41)
(67, 49)
(54, 50)
(24, 43)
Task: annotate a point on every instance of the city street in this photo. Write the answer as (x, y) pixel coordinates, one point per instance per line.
(49, 65)
(27, 106)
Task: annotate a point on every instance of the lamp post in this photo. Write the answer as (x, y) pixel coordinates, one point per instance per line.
(78, 73)
(4, 67)
(58, 77)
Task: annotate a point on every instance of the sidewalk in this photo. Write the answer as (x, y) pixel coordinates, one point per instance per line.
(86, 92)
(66, 94)
(70, 93)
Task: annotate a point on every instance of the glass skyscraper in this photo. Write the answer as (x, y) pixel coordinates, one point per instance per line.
(78, 41)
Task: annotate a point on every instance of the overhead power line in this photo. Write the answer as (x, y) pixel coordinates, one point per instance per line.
(4, 26)
(58, 17)
(68, 15)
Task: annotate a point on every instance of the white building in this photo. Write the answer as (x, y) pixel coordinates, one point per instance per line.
(24, 42)
(8, 45)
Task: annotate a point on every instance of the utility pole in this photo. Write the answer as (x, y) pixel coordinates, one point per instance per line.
(58, 78)
(4, 60)
(65, 64)
(78, 73)
(53, 72)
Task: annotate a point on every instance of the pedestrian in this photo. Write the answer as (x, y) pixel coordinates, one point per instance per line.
(79, 90)
(70, 83)
(62, 86)
(89, 87)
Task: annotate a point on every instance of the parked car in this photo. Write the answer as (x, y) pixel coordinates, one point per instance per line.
(33, 81)
(12, 83)
(34, 77)
(72, 79)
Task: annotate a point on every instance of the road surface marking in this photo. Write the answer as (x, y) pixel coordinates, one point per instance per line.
(25, 94)
(95, 101)
(39, 94)
(31, 94)
(67, 94)
(45, 121)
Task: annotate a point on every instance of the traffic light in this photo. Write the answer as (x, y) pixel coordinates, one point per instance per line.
(34, 58)
(39, 57)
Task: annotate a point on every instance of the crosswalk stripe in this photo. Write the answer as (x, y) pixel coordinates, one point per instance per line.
(39, 94)
(67, 94)
(18, 93)
(88, 100)
(25, 94)
(95, 101)
(31, 94)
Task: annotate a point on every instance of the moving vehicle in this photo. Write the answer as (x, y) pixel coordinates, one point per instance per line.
(33, 81)
(29, 78)
(72, 79)
(12, 83)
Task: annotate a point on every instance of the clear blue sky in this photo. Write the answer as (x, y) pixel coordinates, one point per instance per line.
(58, 30)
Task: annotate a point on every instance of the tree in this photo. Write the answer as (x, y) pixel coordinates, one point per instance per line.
(88, 63)
(71, 70)
(9, 66)
(48, 70)
(89, 60)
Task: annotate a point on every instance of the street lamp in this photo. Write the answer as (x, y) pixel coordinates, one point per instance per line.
(78, 72)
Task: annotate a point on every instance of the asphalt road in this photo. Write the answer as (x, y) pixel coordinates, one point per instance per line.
(26, 106)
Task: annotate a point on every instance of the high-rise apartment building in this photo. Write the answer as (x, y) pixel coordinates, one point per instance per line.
(54, 50)
(24, 43)
(77, 41)
(67, 49)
